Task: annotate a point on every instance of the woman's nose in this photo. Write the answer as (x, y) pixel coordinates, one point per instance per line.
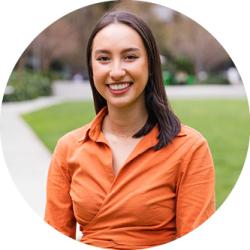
(117, 71)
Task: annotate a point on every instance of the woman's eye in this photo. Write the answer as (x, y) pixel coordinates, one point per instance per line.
(131, 57)
(103, 58)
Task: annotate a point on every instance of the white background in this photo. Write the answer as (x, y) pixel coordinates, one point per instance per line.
(22, 21)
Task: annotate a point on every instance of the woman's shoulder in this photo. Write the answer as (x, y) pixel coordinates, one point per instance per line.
(191, 134)
(74, 135)
(189, 141)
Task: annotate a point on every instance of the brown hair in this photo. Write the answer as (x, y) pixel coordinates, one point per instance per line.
(158, 108)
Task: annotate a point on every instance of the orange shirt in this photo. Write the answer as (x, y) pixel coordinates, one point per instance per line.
(157, 196)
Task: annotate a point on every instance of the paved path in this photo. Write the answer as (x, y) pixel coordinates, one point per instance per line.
(27, 158)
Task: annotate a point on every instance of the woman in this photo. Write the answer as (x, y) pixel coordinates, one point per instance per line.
(134, 177)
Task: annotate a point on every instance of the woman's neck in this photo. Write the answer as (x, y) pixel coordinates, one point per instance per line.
(125, 121)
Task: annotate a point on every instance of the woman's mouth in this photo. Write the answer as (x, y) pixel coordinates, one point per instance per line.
(119, 88)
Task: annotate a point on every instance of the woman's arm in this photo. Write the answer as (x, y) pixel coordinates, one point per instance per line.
(195, 188)
(59, 211)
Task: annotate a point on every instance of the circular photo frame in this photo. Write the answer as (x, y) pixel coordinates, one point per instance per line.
(48, 91)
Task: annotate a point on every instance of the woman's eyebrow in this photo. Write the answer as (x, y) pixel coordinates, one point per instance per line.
(130, 49)
(106, 51)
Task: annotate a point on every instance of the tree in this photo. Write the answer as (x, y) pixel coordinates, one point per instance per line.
(187, 38)
(176, 35)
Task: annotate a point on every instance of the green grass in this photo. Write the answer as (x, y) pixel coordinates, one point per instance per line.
(225, 124)
(53, 122)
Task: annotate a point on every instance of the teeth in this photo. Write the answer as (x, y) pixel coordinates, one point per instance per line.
(119, 86)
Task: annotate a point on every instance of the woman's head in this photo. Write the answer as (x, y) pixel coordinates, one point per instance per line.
(118, 59)
(138, 25)
(154, 92)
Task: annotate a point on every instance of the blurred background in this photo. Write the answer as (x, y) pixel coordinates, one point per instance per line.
(189, 54)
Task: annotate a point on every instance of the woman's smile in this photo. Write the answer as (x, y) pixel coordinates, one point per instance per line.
(119, 88)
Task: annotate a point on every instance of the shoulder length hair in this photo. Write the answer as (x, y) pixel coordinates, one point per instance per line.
(157, 105)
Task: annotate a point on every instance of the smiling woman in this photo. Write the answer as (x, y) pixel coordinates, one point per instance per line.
(134, 177)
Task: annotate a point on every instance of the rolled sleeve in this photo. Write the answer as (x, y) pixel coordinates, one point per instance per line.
(59, 210)
(195, 188)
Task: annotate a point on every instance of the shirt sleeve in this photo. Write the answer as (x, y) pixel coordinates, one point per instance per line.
(195, 189)
(59, 209)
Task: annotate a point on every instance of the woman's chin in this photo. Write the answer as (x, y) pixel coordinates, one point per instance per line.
(118, 104)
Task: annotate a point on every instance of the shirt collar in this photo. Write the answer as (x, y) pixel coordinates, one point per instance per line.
(93, 130)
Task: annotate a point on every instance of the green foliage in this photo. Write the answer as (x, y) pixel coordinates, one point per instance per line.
(168, 78)
(224, 123)
(178, 71)
(27, 85)
(173, 79)
(184, 64)
(215, 79)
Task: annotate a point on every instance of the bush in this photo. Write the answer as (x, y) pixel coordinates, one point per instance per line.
(215, 79)
(173, 79)
(26, 85)
(184, 64)
(179, 72)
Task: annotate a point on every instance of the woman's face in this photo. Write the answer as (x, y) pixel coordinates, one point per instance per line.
(120, 65)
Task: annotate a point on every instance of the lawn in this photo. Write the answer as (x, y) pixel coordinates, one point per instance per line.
(225, 124)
